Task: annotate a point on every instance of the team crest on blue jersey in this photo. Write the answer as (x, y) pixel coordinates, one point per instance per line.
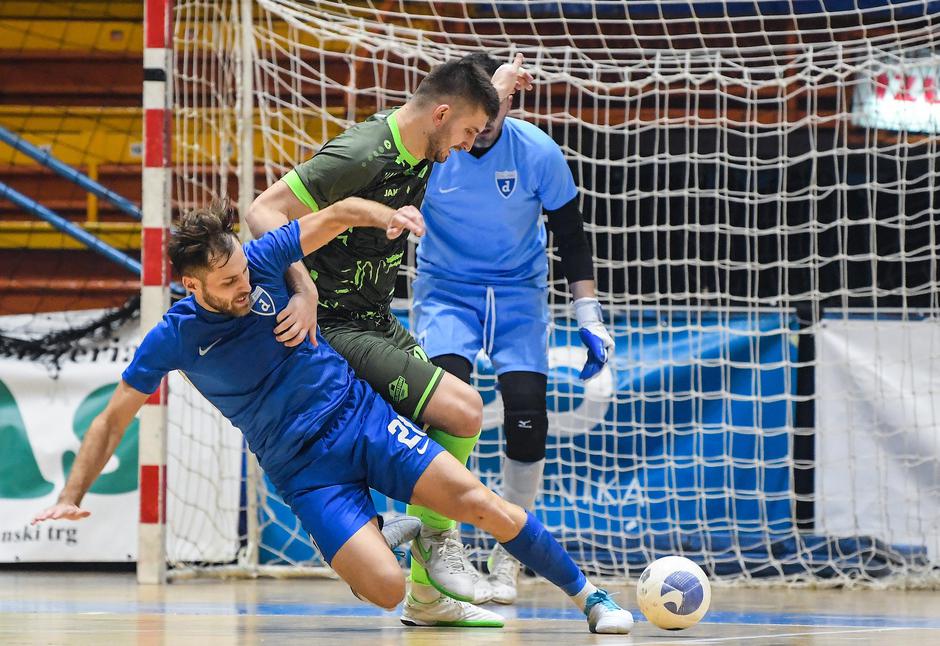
(506, 182)
(261, 302)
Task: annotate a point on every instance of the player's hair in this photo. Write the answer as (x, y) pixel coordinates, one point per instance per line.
(203, 238)
(460, 79)
(485, 61)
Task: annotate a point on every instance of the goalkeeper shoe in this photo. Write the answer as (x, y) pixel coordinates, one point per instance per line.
(449, 570)
(436, 609)
(605, 616)
(504, 574)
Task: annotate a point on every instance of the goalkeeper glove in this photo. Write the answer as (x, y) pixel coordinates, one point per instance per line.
(594, 336)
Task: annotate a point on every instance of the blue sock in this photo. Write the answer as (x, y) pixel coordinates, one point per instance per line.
(536, 548)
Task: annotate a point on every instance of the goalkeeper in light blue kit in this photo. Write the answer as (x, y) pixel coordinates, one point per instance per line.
(321, 435)
(482, 284)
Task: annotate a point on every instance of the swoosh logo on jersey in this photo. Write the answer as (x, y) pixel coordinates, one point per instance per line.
(448, 190)
(203, 351)
(425, 554)
(424, 447)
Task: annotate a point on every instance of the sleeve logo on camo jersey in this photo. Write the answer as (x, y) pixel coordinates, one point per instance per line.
(398, 390)
(261, 302)
(506, 182)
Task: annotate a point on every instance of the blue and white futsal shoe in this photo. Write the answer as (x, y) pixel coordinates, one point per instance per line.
(605, 616)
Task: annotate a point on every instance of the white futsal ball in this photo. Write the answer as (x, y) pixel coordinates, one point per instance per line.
(673, 593)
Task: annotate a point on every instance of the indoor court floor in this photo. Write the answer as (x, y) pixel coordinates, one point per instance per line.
(108, 609)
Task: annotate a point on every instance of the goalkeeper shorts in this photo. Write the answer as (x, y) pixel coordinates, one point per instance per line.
(510, 323)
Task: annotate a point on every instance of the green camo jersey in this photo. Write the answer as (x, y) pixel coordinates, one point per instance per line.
(355, 273)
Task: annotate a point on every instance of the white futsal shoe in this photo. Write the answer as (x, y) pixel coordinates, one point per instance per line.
(449, 569)
(504, 575)
(425, 606)
(605, 616)
(398, 530)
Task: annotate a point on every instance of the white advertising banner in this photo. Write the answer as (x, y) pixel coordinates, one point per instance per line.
(877, 431)
(43, 416)
(44, 413)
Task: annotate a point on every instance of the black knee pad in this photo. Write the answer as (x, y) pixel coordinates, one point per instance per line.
(455, 365)
(525, 421)
(526, 432)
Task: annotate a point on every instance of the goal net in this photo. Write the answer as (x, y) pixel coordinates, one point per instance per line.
(758, 184)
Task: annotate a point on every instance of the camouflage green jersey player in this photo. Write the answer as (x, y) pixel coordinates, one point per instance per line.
(355, 274)
(387, 158)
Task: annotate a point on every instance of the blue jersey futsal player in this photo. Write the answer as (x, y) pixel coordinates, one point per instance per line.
(482, 284)
(322, 436)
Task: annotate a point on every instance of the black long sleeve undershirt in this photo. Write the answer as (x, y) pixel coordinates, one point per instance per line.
(567, 227)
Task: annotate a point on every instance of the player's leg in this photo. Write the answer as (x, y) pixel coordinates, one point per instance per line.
(396, 452)
(525, 424)
(449, 488)
(392, 362)
(341, 520)
(370, 568)
(519, 351)
(455, 365)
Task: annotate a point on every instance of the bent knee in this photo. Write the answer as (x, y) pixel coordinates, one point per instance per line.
(388, 591)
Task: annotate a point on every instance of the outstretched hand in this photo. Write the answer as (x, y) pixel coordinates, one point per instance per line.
(61, 511)
(406, 218)
(511, 77)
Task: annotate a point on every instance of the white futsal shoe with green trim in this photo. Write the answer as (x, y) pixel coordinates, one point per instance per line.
(448, 567)
(425, 606)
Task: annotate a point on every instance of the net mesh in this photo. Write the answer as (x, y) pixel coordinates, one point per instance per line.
(758, 185)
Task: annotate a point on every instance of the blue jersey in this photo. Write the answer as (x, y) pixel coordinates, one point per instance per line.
(484, 216)
(279, 397)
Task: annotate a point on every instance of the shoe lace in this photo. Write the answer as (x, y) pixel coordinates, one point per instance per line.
(455, 555)
(602, 597)
(505, 569)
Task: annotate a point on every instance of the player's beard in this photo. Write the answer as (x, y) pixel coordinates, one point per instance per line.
(229, 307)
(437, 148)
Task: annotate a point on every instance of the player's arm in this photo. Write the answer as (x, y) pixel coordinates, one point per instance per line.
(317, 229)
(567, 226)
(272, 209)
(510, 77)
(102, 439)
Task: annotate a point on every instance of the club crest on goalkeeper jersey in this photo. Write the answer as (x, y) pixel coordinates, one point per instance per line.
(355, 273)
(279, 397)
(484, 215)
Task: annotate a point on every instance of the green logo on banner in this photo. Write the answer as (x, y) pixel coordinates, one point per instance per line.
(124, 478)
(19, 474)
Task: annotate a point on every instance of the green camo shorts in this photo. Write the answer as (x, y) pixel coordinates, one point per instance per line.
(390, 359)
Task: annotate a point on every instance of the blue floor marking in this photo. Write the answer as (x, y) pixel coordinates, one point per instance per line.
(522, 612)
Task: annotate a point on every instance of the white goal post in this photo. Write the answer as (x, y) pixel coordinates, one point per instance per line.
(759, 187)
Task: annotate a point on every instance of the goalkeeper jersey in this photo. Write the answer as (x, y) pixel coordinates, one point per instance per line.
(355, 273)
(484, 215)
(279, 397)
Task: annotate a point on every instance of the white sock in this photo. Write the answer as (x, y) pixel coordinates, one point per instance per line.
(426, 593)
(522, 481)
(581, 598)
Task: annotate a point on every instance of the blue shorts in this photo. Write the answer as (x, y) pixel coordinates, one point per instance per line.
(367, 444)
(508, 322)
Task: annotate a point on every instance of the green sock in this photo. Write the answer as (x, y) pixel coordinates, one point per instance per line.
(460, 448)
